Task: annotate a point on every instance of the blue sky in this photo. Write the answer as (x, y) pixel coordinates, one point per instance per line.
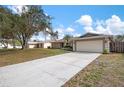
(66, 16)
(77, 20)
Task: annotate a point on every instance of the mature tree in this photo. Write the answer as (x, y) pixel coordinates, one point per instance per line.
(22, 25)
(5, 27)
(33, 20)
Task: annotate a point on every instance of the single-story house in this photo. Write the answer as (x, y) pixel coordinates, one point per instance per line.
(91, 42)
(9, 46)
(57, 44)
(39, 44)
(48, 44)
(1, 46)
(35, 44)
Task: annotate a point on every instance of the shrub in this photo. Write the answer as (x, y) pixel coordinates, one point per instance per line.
(105, 51)
(48, 47)
(68, 48)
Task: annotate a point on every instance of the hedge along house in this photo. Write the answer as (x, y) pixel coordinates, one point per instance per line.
(91, 42)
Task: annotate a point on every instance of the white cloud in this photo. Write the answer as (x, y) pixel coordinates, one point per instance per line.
(99, 22)
(19, 8)
(69, 29)
(62, 31)
(76, 35)
(88, 29)
(101, 30)
(113, 25)
(85, 20)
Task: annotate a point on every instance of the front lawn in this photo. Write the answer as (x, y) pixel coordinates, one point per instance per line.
(105, 71)
(14, 56)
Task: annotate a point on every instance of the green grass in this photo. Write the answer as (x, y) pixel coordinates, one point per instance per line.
(105, 71)
(14, 56)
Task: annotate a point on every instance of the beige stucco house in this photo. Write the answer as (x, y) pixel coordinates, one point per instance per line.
(39, 44)
(91, 42)
(57, 44)
(48, 44)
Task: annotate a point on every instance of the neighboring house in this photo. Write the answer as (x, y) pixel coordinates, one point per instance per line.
(39, 44)
(57, 44)
(48, 44)
(9, 46)
(91, 42)
(1, 46)
(35, 44)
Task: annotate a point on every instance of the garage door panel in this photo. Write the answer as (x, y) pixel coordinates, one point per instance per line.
(90, 46)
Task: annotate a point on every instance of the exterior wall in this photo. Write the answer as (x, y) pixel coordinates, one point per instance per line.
(31, 46)
(46, 45)
(107, 44)
(1, 46)
(74, 45)
(56, 45)
(40, 45)
(90, 46)
(9, 46)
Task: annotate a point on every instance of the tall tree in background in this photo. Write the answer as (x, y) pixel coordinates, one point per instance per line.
(120, 37)
(67, 38)
(5, 26)
(54, 35)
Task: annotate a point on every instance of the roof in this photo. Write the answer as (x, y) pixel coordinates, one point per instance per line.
(89, 36)
(41, 42)
(58, 41)
(33, 43)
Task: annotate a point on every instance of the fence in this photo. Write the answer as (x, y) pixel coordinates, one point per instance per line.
(117, 46)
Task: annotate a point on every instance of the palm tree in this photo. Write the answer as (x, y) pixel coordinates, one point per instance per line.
(67, 37)
(54, 35)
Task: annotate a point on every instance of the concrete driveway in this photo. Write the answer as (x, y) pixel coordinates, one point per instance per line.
(46, 72)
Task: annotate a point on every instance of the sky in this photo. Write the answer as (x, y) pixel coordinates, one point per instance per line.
(77, 20)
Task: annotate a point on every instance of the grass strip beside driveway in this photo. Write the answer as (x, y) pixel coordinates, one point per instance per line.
(106, 71)
(14, 56)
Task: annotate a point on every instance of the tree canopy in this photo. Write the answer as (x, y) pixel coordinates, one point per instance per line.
(21, 26)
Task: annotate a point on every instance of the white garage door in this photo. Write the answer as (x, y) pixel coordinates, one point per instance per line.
(90, 46)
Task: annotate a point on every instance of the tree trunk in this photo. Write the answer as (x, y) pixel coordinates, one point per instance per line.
(25, 44)
(13, 42)
(67, 43)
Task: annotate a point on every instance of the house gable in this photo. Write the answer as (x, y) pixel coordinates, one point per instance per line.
(90, 35)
